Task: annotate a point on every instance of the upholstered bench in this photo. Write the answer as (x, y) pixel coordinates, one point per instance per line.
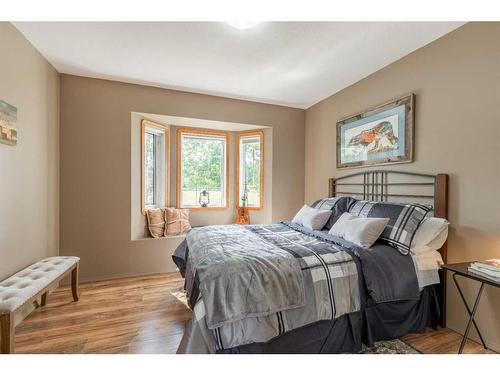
(26, 286)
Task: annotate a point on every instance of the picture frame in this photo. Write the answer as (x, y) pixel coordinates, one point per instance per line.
(8, 124)
(381, 135)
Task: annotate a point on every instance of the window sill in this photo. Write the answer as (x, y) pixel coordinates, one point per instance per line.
(183, 235)
(252, 208)
(205, 208)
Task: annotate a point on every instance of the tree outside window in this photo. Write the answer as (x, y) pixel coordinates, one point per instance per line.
(203, 167)
(250, 167)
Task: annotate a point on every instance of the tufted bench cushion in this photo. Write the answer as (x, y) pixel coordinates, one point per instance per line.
(22, 286)
(23, 289)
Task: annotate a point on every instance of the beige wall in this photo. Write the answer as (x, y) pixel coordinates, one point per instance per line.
(96, 168)
(456, 80)
(29, 180)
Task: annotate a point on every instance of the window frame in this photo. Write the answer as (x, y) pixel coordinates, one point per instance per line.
(248, 134)
(165, 129)
(205, 132)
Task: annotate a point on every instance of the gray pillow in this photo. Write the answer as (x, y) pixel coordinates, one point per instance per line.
(361, 231)
(404, 220)
(337, 205)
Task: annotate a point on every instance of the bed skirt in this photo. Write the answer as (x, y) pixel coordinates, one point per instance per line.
(346, 334)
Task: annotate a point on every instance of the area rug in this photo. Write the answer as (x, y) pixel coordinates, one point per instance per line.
(390, 347)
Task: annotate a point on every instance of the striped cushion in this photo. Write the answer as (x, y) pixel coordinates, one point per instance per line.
(156, 222)
(337, 205)
(404, 220)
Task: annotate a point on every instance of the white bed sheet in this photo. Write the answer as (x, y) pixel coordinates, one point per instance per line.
(427, 266)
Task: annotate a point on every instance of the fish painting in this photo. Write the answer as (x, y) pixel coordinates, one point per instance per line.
(380, 135)
(376, 139)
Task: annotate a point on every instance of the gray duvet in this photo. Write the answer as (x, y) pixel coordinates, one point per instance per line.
(249, 284)
(240, 274)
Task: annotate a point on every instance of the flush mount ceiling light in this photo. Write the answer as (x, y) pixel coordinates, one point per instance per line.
(242, 24)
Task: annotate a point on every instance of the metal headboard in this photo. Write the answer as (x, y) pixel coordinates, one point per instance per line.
(385, 186)
(398, 186)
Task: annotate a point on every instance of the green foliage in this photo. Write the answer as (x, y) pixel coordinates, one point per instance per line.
(251, 155)
(150, 169)
(202, 163)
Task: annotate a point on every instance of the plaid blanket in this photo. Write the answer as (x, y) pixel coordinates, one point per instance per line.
(328, 272)
(240, 273)
(339, 278)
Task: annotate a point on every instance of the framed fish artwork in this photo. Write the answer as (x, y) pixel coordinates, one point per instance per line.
(380, 135)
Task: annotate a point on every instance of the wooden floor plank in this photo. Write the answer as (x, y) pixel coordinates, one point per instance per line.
(443, 341)
(145, 314)
(131, 315)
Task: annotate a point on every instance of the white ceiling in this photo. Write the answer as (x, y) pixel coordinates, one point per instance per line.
(295, 64)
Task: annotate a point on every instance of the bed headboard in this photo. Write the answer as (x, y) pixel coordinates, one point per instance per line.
(402, 187)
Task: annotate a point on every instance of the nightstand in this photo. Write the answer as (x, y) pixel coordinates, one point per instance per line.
(461, 269)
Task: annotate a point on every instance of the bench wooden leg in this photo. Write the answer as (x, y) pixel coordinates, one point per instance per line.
(7, 332)
(74, 283)
(44, 299)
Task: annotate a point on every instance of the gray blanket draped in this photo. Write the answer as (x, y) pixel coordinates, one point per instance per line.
(339, 277)
(241, 275)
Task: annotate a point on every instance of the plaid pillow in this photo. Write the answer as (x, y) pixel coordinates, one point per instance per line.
(176, 221)
(337, 205)
(404, 220)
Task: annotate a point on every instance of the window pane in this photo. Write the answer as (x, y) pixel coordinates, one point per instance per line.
(155, 165)
(203, 168)
(250, 165)
(150, 167)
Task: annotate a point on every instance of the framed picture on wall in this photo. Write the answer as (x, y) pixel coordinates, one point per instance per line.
(376, 136)
(8, 124)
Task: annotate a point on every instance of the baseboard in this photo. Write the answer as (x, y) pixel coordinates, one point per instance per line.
(84, 280)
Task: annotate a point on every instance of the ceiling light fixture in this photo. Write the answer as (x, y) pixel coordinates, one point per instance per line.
(242, 24)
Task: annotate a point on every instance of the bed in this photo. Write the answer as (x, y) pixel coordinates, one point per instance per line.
(284, 288)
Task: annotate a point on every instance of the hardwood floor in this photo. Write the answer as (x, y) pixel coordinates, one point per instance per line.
(131, 315)
(443, 341)
(142, 315)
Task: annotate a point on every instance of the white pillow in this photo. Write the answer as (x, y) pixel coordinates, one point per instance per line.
(363, 231)
(434, 245)
(312, 218)
(430, 235)
(297, 219)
